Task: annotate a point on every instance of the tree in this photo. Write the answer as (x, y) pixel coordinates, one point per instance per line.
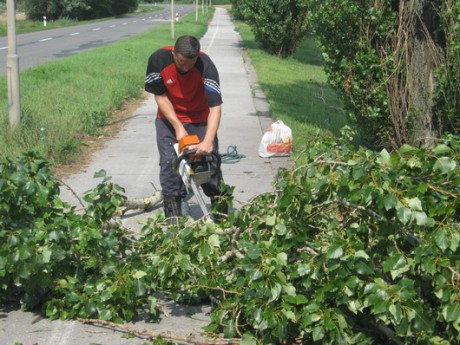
(279, 25)
(396, 63)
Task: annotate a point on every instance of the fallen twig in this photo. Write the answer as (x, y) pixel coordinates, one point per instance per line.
(189, 339)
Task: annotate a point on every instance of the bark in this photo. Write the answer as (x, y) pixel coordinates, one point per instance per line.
(424, 58)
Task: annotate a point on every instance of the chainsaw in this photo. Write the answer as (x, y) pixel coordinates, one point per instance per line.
(194, 169)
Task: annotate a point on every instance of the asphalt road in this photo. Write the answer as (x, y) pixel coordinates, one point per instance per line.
(42, 46)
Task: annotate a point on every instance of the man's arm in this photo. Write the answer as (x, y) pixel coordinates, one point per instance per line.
(206, 146)
(168, 111)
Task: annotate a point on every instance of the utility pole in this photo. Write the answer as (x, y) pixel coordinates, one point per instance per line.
(172, 20)
(196, 10)
(12, 67)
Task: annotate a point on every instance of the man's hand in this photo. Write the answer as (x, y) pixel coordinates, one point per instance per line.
(204, 148)
(180, 132)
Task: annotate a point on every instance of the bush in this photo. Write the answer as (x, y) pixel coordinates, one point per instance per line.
(279, 25)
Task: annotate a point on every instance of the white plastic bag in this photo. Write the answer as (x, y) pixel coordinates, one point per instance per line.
(277, 141)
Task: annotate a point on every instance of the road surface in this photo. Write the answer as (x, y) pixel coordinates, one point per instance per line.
(42, 46)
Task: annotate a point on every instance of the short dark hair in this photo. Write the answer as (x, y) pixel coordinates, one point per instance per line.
(188, 46)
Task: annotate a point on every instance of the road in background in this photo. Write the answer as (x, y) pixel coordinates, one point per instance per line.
(42, 46)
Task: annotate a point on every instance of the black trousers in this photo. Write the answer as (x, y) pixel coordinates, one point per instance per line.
(171, 182)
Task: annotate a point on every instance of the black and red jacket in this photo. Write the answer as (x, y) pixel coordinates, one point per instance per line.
(192, 93)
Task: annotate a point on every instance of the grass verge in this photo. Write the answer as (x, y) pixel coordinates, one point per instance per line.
(64, 100)
(297, 90)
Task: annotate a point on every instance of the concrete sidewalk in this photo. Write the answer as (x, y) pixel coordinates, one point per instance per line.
(131, 159)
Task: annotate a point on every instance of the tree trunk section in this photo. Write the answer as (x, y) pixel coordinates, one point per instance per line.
(424, 59)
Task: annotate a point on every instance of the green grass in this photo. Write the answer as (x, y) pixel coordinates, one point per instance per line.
(297, 90)
(63, 100)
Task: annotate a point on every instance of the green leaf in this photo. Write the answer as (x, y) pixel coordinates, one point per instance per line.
(405, 149)
(280, 229)
(282, 259)
(229, 329)
(354, 306)
(415, 204)
(384, 158)
(423, 322)
(318, 333)
(270, 220)
(296, 299)
(421, 218)
(46, 252)
(361, 254)
(100, 173)
(214, 241)
(204, 250)
(289, 314)
(289, 289)
(105, 314)
(404, 214)
(275, 291)
(335, 251)
(352, 282)
(390, 202)
(303, 269)
(442, 149)
(139, 287)
(440, 237)
(253, 252)
(139, 274)
(256, 274)
(363, 268)
(451, 312)
(248, 339)
(396, 264)
(444, 165)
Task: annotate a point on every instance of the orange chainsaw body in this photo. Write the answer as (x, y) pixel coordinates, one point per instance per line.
(187, 141)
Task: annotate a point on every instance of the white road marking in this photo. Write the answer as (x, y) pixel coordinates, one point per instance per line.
(75, 33)
(45, 39)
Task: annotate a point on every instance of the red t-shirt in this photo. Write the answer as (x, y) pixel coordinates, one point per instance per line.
(192, 93)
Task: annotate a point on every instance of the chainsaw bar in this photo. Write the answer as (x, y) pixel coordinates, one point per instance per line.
(192, 180)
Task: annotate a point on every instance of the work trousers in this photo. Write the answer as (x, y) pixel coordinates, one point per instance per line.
(170, 180)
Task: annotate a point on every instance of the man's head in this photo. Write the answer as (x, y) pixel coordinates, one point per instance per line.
(185, 53)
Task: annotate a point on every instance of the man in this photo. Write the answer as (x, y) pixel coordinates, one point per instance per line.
(185, 83)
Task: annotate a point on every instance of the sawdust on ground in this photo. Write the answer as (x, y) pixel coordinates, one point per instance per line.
(91, 144)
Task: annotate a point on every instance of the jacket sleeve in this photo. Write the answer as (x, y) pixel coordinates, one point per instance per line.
(211, 82)
(153, 81)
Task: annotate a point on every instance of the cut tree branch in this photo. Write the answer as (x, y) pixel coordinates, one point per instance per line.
(189, 339)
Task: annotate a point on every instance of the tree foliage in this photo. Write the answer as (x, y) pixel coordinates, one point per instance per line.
(279, 25)
(77, 9)
(352, 247)
(397, 64)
